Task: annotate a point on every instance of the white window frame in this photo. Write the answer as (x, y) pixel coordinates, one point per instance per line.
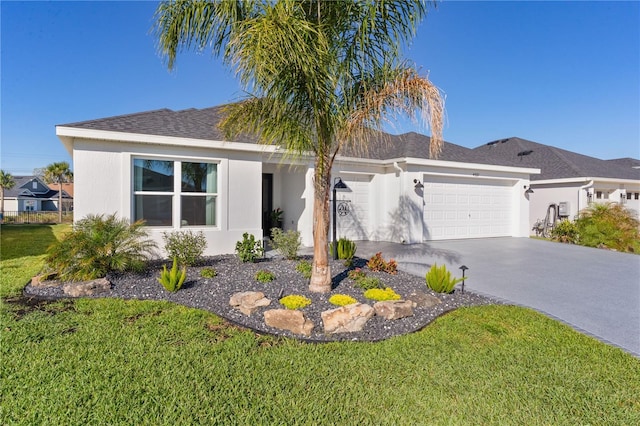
(176, 194)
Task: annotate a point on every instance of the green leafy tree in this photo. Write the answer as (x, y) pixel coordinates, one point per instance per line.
(322, 76)
(6, 182)
(58, 173)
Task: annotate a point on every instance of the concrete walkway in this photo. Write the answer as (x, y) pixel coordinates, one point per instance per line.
(595, 291)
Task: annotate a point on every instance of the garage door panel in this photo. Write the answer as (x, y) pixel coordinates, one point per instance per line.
(463, 209)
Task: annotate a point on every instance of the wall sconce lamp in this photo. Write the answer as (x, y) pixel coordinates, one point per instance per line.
(418, 184)
(528, 190)
(463, 268)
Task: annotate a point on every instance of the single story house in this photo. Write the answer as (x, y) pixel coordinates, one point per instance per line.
(30, 193)
(175, 170)
(568, 179)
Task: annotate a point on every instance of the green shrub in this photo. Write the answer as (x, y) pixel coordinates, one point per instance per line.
(208, 273)
(98, 245)
(565, 231)
(286, 243)
(378, 264)
(249, 249)
(356, 274)
(186, 246)
(173, 280)
(295, 301)
(381, 294)
(342, 300)
(304, 268)
(264, 276)
(346, 250)
(439, 279)
(608, 225)
(367, 283)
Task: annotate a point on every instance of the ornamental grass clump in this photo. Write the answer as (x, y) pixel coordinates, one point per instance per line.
(172, 280)
(439, 279)
(265, 276)
(346, 250)
(342, 300)
(295, 301)
(381, 294)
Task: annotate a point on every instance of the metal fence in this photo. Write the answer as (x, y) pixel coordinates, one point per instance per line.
(35, 217)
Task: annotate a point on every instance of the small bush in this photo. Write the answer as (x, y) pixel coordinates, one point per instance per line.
(173, 280)
(346, 250)
(380, 294)
(356, 274)
(342, 300)
(186, 246)
(264, 276)
(367, 283)
(565, 232)
(249, 249)
(609, 225)
(286, 243)
(304, 268)
(208, 273)
(439, 279)
(294, 301)
(378, 264)
(98, 245)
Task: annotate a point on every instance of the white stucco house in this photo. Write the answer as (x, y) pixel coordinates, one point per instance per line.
(568, 179)
(175, 170)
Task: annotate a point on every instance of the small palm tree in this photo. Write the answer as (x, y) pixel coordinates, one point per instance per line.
(323, 76)
(59, 173)
(6, 182)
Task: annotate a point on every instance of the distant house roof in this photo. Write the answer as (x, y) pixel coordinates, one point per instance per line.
(556, 163)
(203, 124)
(23, 189)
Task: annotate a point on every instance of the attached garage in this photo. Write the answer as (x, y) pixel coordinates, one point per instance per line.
(467, 208)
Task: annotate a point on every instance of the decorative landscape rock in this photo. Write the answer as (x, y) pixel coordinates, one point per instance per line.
(248, 302)
(286, 319)
(346, 318)
(86, 288)
(394, 309)
(423, 300)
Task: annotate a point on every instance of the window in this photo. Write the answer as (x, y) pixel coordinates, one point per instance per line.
(637, 195)
(599, 195)
(157, 191)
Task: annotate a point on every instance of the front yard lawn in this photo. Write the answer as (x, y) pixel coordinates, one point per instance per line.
(108, 361)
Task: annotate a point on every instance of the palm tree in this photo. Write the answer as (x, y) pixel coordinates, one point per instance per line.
(59, 173)
(322, 76)
(6, 182)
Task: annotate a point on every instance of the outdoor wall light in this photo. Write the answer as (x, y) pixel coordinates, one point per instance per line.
(528, 190)
(418, 184)
(463, 268)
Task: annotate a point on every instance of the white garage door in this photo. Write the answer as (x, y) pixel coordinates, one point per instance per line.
(466, 208)
(353, 208)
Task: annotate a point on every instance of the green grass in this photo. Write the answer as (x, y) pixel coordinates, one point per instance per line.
(131, 362)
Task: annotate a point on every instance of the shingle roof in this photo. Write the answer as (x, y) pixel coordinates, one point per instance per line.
(21, 185)
(554, 163)
(202, 124)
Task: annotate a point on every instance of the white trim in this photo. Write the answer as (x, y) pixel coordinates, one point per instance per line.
(583, 179)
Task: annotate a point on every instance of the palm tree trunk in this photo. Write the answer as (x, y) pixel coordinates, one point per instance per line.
(321, 271)
(60, 202)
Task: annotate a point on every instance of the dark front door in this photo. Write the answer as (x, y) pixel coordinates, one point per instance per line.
(267, 202)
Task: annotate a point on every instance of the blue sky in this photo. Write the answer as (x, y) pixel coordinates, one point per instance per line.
(565, 74)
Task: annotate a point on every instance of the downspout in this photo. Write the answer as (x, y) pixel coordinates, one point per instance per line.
(588, 185)
(401, 193)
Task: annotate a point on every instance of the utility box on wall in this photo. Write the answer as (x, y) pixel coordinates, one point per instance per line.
(563, 208)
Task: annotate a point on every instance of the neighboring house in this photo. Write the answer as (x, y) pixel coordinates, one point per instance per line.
(175, 170)
(30, 193)
(566, 177)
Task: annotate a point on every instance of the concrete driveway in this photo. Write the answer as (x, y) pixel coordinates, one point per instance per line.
(595, 291)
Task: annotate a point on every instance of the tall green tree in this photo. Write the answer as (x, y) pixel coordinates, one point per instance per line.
(59, 173)
(6, 182)
(321, 76)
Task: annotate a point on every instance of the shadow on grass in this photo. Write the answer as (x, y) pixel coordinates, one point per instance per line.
(25, 240)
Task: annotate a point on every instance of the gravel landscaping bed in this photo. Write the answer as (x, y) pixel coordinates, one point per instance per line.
(213, 294)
